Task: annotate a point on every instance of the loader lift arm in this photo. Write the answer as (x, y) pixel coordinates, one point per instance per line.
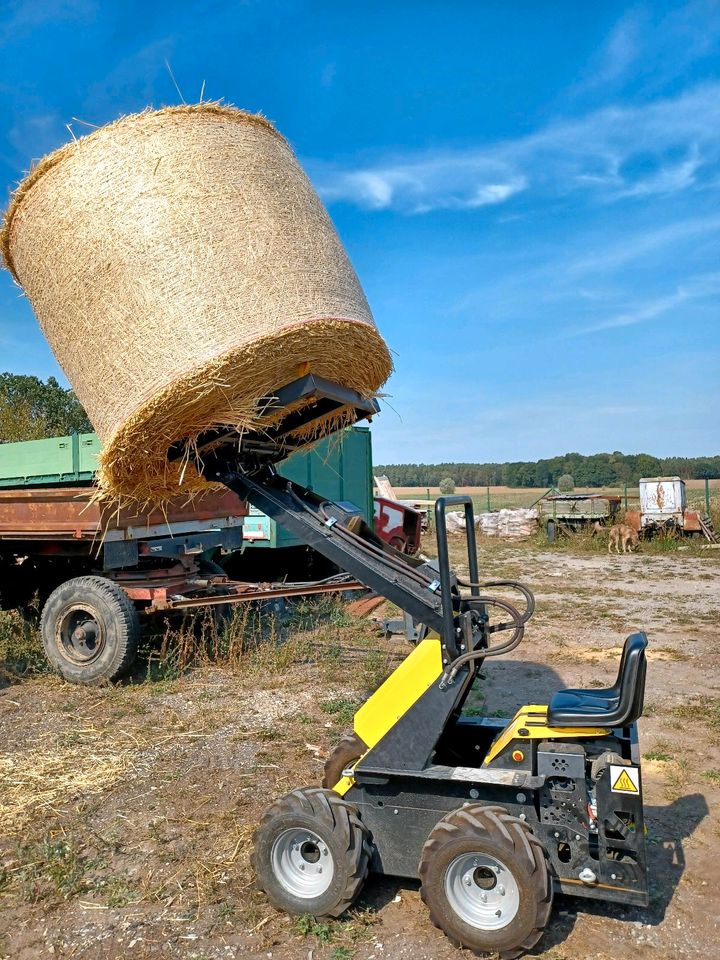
(244, 461)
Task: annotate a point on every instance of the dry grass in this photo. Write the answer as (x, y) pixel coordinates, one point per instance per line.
(54, 771)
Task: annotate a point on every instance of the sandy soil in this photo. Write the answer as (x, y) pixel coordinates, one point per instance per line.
(126, 812)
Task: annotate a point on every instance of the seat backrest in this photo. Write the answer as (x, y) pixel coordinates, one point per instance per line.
(632, 680)
(623, 660)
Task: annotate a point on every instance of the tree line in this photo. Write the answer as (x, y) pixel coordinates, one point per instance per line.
(596, 470)
(31, 409)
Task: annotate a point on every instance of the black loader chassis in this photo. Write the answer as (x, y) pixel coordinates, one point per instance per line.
(402, 811)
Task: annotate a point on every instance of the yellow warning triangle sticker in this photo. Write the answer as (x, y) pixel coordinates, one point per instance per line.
(624, 783)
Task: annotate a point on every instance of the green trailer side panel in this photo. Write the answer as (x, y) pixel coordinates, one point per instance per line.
(339, 468)
(89, 451)
(55, 460)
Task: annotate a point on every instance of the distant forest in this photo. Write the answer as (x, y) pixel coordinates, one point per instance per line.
(598, 470)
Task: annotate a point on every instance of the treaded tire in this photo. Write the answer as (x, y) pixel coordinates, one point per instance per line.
(117, 621)
(346, 753)
(339, 826)
(493, 832)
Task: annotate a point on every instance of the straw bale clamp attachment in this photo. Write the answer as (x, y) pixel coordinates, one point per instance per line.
(491, 815)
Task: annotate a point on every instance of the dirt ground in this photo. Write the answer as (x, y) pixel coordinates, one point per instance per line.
(126, 812)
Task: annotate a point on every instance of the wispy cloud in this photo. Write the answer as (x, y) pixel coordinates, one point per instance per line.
(649, 48)
(35, 134)
(699, 287)
(21, 16)
(618, 53)
(658, 148)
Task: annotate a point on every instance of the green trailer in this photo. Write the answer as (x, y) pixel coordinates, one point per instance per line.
(339, 468)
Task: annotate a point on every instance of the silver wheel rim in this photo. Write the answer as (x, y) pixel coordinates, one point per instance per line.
(302, 863)
(482, 891)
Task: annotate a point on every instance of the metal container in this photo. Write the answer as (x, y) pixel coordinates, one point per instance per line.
(662, 499)
(338, 467)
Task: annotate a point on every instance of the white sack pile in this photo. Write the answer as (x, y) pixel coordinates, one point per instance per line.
(507, 524)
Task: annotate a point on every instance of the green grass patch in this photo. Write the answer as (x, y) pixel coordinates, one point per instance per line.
(341, 710)
(662, 755)
(704, 710)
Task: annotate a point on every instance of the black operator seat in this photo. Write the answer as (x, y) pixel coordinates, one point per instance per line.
(615, 706)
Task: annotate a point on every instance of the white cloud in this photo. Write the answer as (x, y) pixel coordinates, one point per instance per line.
(615, 153)
(496, 192)
(698, 287)
(327, 76)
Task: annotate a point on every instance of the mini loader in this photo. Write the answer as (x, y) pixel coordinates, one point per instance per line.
(492, 816)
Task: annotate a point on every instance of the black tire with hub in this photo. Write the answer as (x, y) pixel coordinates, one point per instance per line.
(90, 630)
(486, 881)
(311, 853)
(346, 754)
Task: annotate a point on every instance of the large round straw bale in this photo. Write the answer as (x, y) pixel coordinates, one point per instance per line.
(182, 267)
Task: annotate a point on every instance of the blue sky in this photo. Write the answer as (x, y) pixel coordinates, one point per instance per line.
(529, 192)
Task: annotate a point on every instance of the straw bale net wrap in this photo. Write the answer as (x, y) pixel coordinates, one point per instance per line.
(182, 267)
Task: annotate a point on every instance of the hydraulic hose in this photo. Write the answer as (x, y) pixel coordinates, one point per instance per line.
(452, 669)
(512, 584)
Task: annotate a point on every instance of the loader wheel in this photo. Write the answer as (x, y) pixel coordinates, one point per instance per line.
(312, 853)
(486, 881)
(346, 754)
(90, 630)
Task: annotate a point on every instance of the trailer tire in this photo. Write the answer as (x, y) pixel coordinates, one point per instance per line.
(486, 881)
(90, 630)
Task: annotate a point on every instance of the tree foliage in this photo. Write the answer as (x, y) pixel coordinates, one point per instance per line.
(597, 470)
(31, 409)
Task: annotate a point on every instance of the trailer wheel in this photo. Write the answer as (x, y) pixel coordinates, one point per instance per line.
(90, 630)
(486, 881)
(346, 754)
(312, 853)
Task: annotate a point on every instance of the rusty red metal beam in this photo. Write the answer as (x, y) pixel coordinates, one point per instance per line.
(237, 592)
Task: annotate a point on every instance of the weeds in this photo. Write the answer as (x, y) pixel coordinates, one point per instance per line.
(307, 925)
(53, 869)
(341, 710)
(247, 635)
(21, 649)
(659, 752)
(677, 777)
(348, 931)
(700, 710)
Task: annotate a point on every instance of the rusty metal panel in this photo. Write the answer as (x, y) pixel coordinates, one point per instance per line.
(692, 522)
(632, 519)
(69, 513)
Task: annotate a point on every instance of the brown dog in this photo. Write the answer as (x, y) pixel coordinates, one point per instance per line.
(623, 535)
